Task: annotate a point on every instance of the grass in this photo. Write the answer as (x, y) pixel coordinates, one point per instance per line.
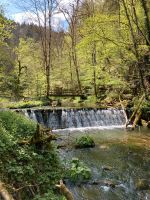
(5, 103)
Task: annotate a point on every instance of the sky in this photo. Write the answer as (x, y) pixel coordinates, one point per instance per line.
(12, 11)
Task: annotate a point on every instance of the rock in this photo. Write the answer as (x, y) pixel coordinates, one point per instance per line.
(104, 147)
(110, 183)
(107, 183)
(107, 168)
(142, 184)
(84, 142)
(144, 123)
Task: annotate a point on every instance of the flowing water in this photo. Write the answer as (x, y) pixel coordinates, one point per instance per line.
(76, 118)
(125, 154)
(120, 158)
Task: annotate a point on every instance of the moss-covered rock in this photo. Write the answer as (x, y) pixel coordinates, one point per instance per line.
(84, 142)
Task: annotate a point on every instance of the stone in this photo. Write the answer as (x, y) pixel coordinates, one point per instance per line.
(107, 168)
(110, 183)
(148, 124)
(104, 147)
(144, 123)
(142, 184)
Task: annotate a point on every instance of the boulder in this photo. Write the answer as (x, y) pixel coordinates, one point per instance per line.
(107, 168)
(148, 124)
(142, 184)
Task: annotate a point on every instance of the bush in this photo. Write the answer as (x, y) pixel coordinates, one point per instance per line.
(17, 125)
(79, 171)
(84, 142)
(25, 165)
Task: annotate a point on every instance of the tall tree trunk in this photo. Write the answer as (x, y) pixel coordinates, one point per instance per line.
(70, 64)
(47, 81)
(147, 20)
(134, 46)
(94, 68)
(74, 56)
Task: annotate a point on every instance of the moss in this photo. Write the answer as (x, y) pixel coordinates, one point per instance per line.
(84, 142)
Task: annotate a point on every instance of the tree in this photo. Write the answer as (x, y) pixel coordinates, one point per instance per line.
(146, 20)
(72, 16)
(5, 28)
(41, 13)
(28, 59)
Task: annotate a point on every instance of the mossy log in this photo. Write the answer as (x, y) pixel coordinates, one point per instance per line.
(4, 193)
(136, 120)
(65, 191)
(40, 137)
(135, 117)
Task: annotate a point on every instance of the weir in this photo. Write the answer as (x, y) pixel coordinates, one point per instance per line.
(76, 118)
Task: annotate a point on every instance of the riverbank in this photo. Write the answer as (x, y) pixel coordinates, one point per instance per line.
(28, 170)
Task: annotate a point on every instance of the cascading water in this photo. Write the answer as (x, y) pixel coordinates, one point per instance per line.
(77, 118)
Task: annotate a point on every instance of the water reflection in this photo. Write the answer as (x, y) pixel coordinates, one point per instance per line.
(127, 154)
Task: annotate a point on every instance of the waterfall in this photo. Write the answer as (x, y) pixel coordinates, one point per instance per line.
(77, 118)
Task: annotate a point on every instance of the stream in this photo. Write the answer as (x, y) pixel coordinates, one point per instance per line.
(118, 162)
(120, 158)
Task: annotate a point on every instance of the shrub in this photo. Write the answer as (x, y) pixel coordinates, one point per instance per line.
(24, 165)
(17, 124)
(79, 171)
(84, 142)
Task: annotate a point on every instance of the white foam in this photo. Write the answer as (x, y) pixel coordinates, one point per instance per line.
(82, 129)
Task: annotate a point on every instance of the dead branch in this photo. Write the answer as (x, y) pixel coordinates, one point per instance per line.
(65, 191)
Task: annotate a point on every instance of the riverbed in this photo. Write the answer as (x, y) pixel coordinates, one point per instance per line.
(118, 161)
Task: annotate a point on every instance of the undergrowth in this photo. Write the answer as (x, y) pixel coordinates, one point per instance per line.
(27, 172)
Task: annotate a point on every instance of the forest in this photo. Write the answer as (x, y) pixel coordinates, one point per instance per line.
(103, 52)
(92, 69)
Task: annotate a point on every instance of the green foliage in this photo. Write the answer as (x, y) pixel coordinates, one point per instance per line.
(17, 124)
(12, 85)
(79, 171)
(26, 104)
(105, 33)
(84, 142)
(5, 103)
(5, 28)
(49, 196)
(23, 165)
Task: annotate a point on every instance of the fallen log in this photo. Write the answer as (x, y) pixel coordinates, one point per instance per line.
(40, 137)
(4, 193)
(136, 114)
(43, 140)
(65, 191)
(136, 120)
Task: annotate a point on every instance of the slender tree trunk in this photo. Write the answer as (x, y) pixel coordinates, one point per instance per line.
(134, 45)
(71, 76)
(47, 81)
(74, 56)
(94, 68)
(146, 18)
